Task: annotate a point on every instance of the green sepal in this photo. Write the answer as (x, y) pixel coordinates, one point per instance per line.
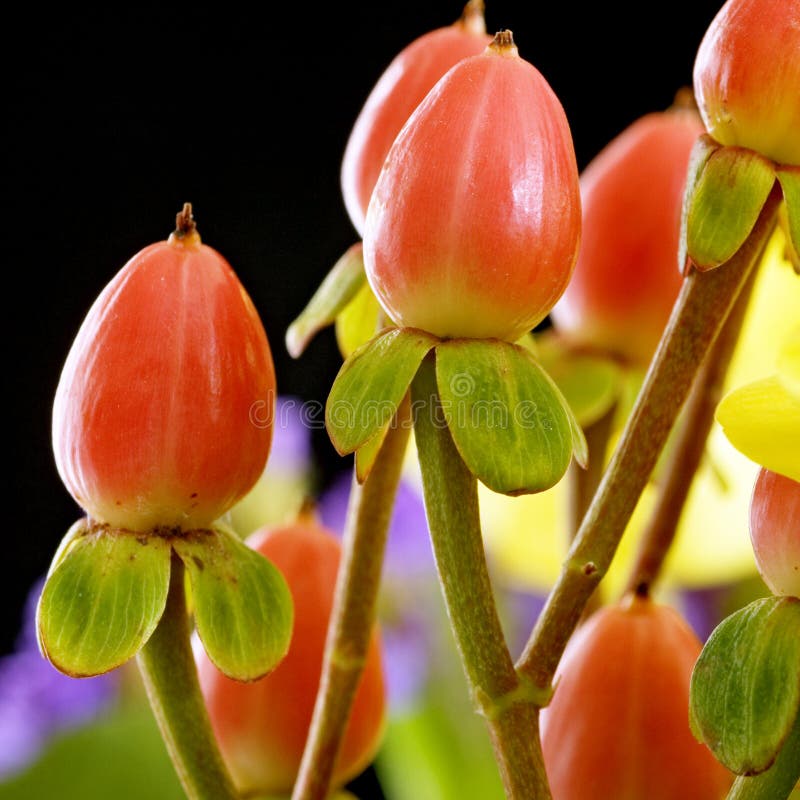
(103, 599)
(242, 605)
(371, 385)
(727, 199)
(701, 152)
(340, 286)
(789, 178)
(510, 424)
(368, 452)
(591, 384)
(745, 689)
(358, 321)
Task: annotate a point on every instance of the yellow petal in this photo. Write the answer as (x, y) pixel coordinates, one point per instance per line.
(358, 323)
(762, 420)
(789, 362)
(771, 317)
(525, 536)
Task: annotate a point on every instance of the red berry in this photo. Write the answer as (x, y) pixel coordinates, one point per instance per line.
(401, 88)
(262, 726)
(747, 77)
(775, 531)
(618, 724)
(162, 416)
(627, 277)
(473, 227)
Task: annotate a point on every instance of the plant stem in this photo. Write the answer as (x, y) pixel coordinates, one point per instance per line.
(451, 503)
(688, 449)
(704, 302)
(583, 483)
(170, 677)
(779, 780)
(354, 610)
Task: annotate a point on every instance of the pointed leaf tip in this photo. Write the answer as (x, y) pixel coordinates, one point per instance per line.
(371, 385)
(335, 292)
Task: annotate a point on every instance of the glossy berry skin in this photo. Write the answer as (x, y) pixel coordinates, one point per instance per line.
(627, 277)
(747, 77)
(618, 725)
(401, 88)
(775, 531)
(262, 726)
(474, 224)
(162, 414)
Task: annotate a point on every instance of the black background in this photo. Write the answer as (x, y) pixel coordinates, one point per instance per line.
(116, 117)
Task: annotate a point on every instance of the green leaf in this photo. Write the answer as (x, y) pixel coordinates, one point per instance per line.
(745, 690)
(762, 420)
(242, 605)
(371, 384)
(334, 293)
(119, 757)
(730, 192)
(357, 322)
(506, 416)
(103, 600)
(789, 178)
(440, 744)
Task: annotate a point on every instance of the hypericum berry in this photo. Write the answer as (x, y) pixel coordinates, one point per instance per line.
(627, 278)
(775, 531)
(473, 227)
(162, 416)
(618, 724)
(401, 88)
(747, 77)
(262, 726)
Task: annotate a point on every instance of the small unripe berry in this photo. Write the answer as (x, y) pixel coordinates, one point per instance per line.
(775, 531)
(163, 414)
(262, 726)
(747, 77)
(473, 227)
(618, 724)
(401, 88)
(627, 277)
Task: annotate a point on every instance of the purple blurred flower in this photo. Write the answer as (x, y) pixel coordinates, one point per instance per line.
(409, 583)
(37, 701)
(291, 434)
(705, 608)
(408, 549)
(520, 609)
